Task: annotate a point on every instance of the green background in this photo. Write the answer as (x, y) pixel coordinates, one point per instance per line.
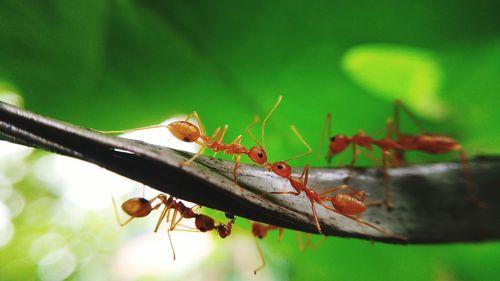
(122, 64)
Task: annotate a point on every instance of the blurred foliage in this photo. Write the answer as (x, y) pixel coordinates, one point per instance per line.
(121, 64)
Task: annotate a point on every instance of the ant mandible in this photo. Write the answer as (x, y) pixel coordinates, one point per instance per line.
(425, 142)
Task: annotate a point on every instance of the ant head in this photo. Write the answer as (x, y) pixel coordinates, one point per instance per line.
(204, 223)
(137, 207)
(184, 131)
(281, 169)
(258, 230)
(258, 155)
(224, 230)
(338, 143)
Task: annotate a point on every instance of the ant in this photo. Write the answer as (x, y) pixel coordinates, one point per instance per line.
(189, 132)
(347, 204)
(260, 231)
(425, 142)
(138, 207)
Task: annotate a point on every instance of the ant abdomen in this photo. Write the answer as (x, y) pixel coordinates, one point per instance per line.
(204, 223)
(184, 131)
(137, 207)
(347, 204)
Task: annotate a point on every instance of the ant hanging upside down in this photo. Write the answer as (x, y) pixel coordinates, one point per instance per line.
(138, 207)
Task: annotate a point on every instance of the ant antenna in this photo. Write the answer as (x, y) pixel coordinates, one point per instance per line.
(256, 120)
(267, 117)
(309, 149)
(117, 216)
(399, 104)
(326, 127)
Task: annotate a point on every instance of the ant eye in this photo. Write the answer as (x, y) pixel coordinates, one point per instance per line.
(280, 166)
(260, 154)
(333, 138)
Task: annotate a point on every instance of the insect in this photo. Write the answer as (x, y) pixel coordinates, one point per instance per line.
(347, 204)
(425, 142)
(138, 207)
(260, 231)
(189, 132)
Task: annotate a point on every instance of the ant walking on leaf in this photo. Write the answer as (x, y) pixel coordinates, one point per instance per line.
(346, 204)
(424, 142)
(189, 132)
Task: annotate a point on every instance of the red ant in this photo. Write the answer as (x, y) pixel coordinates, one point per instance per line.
(347, 204)
(425, 142)
(140, 207)
(260, 231)
(189, 132)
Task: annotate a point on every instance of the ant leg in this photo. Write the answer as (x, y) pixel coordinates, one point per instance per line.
(170, 229)
(318, 226)
(470, 186)
(204, 145)
(398, 155)
(237, 158)
(281, 193)
(195, 115)
(299, 136)
(355, 153)
(387, 193)
(261, 257)
(132, 130)
(154, 126)
(326, 127)
(281, 231)
(236, 165)
(213, 137)
(397, 105)
(219, 139)
(305, 172)
(188, 162)
(162, 216)
(171, 244)
(337, 188)
(365, 233)
(300, 244)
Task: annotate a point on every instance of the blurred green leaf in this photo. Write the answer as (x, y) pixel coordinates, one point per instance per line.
(398, 72)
